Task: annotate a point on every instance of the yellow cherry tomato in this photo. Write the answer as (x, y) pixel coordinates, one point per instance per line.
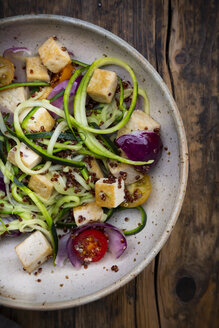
(6, 71)
(138, 192)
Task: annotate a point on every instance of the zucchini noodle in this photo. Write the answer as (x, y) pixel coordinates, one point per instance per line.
(23, 168)
(61, 146)
(143, 93)
(75, 201)
(60, 127)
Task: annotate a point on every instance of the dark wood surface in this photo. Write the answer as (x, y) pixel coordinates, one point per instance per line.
(180, 287)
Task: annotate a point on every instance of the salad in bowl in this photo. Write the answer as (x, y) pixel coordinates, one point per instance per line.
(76, 146)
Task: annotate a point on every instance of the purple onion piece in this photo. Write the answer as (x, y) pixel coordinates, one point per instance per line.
(72, 256)
(16, 50)
(117, 242)
(17, 57)
(61, 86)
(62, 251)
(141, 146)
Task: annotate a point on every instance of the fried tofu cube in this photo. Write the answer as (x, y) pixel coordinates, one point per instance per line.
(10, 99)
(109, 192)
(41, 185)
(139, 121)
(102, 86)
(28, 156)
(126, 171)
(53, 55)
(41, 121)
(94, 168)
(33, 251)
(44, 93)
(88, 213)
(35, 70)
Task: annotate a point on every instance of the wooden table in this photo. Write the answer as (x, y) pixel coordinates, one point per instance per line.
(179, 288)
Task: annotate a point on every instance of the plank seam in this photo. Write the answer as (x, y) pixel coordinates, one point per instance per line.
(156, 288)
(169, 25)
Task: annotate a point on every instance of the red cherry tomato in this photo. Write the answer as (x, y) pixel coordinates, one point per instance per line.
(90, 245)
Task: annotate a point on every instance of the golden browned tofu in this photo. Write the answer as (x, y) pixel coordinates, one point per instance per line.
(94, 168)
(126, 171)
(102, 86)
(10, 99)
(33, 251)
(28, 156)
(87, 213)
(139, 121)
(45, 92)
(41, 121)
(41, 185)
(35, 70)
(109, 192)
(53, 55)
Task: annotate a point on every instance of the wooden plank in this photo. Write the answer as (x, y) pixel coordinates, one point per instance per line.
(115, 310)
(146, 307)
(187, 265)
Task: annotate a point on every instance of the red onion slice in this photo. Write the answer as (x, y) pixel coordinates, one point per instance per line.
(117, 242)
(141, 146)
(61, 86)
(62, 251)
(72, 256)
(17, 57)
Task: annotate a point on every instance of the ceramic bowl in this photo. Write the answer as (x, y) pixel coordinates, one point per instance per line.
(67, 287)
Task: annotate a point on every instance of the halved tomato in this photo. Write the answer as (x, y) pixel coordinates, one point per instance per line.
(63, 75)
(137, 193)
(6, 71)
(90, 245)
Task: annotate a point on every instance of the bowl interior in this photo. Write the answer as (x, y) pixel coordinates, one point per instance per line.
(64, 287)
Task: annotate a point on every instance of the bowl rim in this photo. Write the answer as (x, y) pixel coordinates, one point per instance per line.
(183, 150)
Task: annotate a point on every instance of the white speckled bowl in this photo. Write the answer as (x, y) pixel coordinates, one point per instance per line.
(67, 287)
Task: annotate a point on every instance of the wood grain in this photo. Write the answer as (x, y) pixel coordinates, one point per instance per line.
(179, 289)
(187, 277)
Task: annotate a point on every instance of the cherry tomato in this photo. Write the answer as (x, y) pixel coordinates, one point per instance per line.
(137, 193)
(6, 71)
(63, 75)
(90, 245)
